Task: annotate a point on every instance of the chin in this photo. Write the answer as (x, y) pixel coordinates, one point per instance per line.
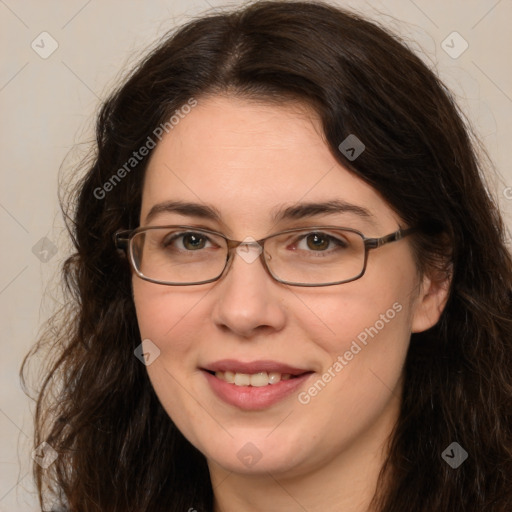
(257, 456)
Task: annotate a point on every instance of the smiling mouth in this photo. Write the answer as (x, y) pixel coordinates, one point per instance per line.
(259, 379)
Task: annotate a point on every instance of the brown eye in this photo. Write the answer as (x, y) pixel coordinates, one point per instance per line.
(321, 242)
(318, 241)
(193, 241)
(189, 241)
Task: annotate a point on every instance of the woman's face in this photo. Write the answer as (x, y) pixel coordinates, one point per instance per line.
(248, 161)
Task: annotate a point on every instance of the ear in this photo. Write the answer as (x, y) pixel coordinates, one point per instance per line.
(430, 302)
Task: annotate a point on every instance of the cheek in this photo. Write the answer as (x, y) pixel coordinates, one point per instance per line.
(362, 362)
(169, 318)
(363, 334)
(172, 320)
(335, 319)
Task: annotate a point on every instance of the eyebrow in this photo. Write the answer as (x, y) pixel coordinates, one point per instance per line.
(293, 212)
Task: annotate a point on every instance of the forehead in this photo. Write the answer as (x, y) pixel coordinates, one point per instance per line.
(248, 160)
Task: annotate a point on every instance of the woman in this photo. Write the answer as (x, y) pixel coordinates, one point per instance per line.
(349, 348)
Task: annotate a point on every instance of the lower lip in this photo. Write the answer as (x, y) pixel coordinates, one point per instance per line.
(253, 398)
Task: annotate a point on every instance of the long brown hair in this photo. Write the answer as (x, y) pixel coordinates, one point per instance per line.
(118, 449)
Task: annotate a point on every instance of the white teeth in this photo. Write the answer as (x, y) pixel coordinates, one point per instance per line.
(274, 377)
(259, 379)
(242, 379)
(229, 377)
(256, 379)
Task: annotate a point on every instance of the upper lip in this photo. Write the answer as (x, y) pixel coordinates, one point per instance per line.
(235, 366)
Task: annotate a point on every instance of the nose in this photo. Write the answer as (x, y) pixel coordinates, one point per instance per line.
(248, 301)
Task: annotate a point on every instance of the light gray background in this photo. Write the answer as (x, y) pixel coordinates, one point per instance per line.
(47, 106)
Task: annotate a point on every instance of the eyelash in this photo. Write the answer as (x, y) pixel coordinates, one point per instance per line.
(336, 241)
(166, 243)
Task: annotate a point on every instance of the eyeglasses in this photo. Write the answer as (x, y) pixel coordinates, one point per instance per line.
(313, 256)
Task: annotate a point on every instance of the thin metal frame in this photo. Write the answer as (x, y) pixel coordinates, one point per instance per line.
(123, 241)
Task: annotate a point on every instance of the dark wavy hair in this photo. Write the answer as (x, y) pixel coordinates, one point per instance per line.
(118, 449)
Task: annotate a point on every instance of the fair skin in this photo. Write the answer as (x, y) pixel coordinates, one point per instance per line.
(247, 159)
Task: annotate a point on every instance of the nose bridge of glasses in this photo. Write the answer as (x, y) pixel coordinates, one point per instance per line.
(249, 249)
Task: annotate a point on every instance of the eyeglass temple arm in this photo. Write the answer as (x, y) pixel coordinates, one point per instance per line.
(121, 239)
(373, 243)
